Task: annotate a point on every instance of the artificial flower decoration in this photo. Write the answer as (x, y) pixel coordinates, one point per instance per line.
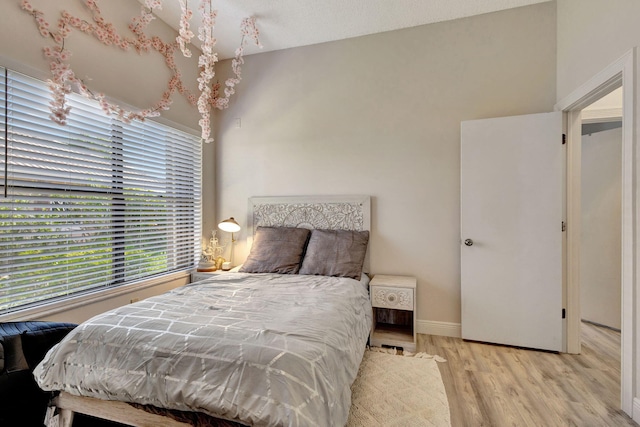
(185, 34)
(64, 80)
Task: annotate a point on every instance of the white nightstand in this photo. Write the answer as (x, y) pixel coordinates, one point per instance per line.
(201, 275)
(393, 299)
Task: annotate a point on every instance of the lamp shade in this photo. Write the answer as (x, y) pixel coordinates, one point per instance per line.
(229, 225)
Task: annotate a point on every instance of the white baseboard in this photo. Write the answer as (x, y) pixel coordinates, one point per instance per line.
(636, 410)
(445, 329)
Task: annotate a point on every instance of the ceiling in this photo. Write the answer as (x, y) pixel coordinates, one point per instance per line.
(291, 23)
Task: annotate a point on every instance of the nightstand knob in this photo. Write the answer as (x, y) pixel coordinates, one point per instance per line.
(468, 242)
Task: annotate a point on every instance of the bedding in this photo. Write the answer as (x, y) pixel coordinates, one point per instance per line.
(276, 250)
(337, 253)
(261, 349)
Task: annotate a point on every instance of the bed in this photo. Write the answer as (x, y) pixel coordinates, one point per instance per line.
(277, 343)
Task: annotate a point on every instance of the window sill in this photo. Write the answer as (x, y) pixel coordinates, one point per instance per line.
(48, 309)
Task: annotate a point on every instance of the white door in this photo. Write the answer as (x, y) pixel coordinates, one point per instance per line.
(511, 230)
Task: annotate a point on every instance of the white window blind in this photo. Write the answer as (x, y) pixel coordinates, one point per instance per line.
(93, 204)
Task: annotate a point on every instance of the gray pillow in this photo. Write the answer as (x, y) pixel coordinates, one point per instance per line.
(276, 250)
(335, 253)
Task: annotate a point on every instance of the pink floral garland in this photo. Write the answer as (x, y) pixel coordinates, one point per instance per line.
(63, 77)
(185, 34)
(208, 58)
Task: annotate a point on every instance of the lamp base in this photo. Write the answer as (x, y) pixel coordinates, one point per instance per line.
(207, 266)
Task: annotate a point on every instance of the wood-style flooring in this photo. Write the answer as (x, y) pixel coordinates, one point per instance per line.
(492, 385)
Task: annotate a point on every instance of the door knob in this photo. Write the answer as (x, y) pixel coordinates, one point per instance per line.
(468, 242)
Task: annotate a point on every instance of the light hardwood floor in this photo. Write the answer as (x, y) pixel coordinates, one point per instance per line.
(492, 385)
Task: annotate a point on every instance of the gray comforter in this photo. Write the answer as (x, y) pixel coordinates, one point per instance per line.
(263, 349)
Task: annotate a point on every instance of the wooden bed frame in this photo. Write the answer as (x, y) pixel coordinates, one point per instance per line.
(119, 412)
(323, 212)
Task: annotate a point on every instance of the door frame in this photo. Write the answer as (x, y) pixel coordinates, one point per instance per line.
(620, 73)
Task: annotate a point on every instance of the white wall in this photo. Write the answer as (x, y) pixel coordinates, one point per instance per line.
(591, 35)
(600, 263)
(137, 80)
(380, 115)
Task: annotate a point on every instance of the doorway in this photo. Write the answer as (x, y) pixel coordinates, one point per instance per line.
(601, 205)
(619, 74)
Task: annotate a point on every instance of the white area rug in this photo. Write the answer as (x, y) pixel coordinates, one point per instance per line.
(395, 390)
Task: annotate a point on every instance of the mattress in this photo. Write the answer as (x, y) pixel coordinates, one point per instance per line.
(261, 349)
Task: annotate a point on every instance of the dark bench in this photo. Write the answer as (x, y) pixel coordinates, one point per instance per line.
(22, 346)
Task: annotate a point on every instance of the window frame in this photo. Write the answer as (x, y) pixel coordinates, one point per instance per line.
(121, 284)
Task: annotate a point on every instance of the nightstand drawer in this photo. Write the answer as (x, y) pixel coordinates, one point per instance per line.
(397, 298)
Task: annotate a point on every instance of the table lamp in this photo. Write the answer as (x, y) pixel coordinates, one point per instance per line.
(230, 226)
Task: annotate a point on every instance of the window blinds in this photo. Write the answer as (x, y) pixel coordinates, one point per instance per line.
(92, 204)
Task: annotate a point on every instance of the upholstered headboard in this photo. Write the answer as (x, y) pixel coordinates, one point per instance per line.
(312, 212)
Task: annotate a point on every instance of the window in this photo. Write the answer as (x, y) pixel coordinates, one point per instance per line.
(93, 204)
